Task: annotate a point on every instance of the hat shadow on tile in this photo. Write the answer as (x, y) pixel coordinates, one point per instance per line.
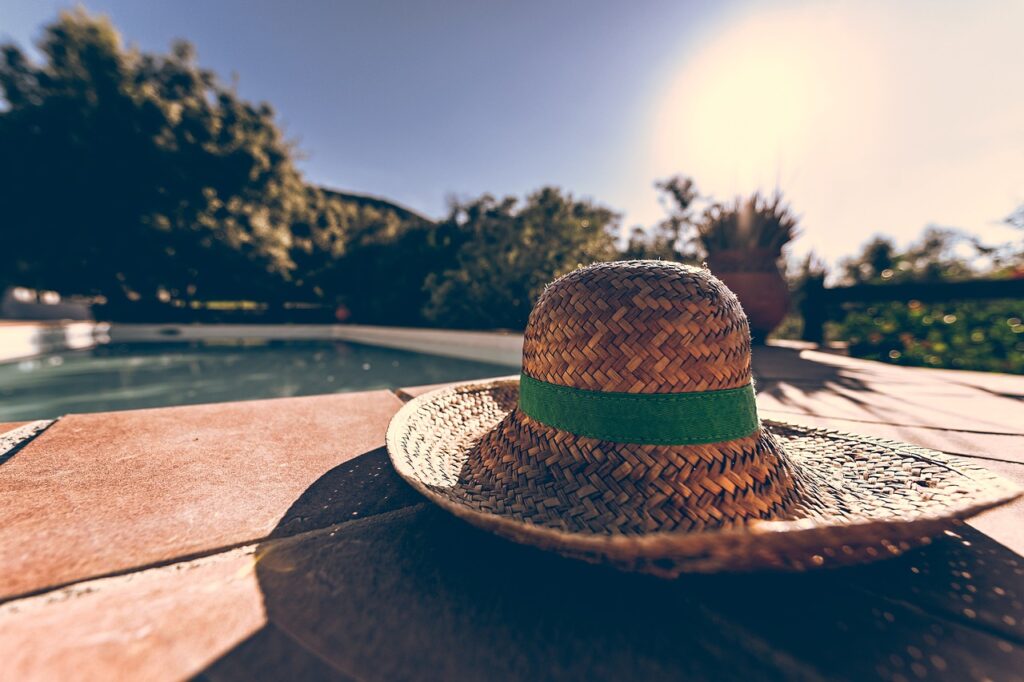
(362, 579)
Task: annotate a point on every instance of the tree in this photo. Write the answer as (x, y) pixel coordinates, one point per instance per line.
(674, 238)
(370, 258)
(1016, 219)
(878, 256)
(978, 335)
(675, 233)
(135, 175)
(939, 254)
(507, 251)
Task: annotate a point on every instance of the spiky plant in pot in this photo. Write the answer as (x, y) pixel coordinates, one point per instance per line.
(751, 232)
(744, 241)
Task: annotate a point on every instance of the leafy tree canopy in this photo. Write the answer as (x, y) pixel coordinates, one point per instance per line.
(675, 237)
(133, 174)
(509, 250)
(939, 254)
(746, 224)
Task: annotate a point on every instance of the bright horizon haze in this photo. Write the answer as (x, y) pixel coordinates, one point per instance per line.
(872, 118)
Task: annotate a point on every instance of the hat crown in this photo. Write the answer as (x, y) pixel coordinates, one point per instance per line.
(638, 327)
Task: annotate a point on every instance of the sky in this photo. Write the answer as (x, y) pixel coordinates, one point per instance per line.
(872, 117)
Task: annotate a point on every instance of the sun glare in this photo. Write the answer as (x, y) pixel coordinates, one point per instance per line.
(747, 106)
(872, 117)
(743, 114)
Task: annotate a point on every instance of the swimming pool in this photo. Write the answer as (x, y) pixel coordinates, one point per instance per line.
(121, 376)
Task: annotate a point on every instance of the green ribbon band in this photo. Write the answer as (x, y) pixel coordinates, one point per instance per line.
(643, 418)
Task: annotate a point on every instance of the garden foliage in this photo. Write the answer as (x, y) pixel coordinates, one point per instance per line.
(140, 177)
(979, 335)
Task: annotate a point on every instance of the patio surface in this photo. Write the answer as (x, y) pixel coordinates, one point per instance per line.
(272, 540)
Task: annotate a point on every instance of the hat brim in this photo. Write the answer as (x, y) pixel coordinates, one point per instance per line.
(871, 498)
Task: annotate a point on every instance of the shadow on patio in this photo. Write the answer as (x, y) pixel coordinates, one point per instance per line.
(807, 382)
(413, 592)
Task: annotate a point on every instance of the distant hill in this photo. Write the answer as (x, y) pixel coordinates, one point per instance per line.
(402, 212)
(391, 250)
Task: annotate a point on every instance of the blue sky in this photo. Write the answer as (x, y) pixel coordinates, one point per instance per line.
(873, 117)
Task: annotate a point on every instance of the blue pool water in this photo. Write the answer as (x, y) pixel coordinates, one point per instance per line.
(133, 375)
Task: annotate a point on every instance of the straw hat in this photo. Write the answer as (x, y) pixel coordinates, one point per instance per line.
(632, 438)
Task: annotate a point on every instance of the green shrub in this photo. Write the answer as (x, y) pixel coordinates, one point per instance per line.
(986, 336)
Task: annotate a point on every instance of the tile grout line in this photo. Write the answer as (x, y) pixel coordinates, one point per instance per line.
(894, 424)
(805, 380)
(939, 614)
(256, 541)
(983, 458)
(194, 556)
(14, 442)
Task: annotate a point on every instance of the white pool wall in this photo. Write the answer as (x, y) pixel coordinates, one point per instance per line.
(20, 340)
(503, 348)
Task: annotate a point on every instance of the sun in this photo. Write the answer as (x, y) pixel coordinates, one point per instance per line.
(747, 105)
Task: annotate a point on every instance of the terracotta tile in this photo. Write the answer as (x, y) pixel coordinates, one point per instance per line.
(161, 624)
(1005, 524)
(394, 601)
(13, 439)
(778, 362)
(827, 385)
(174, 621)
(8, 426)
(102, 493)
(415, 593)
(1004, 447)
(934, 405)
(439, 599)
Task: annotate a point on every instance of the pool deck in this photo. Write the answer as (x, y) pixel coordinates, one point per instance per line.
(272, 539)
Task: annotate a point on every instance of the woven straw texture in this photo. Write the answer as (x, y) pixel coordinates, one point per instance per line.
(784, 497)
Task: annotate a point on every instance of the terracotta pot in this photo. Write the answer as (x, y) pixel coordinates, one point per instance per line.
(755, 279)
